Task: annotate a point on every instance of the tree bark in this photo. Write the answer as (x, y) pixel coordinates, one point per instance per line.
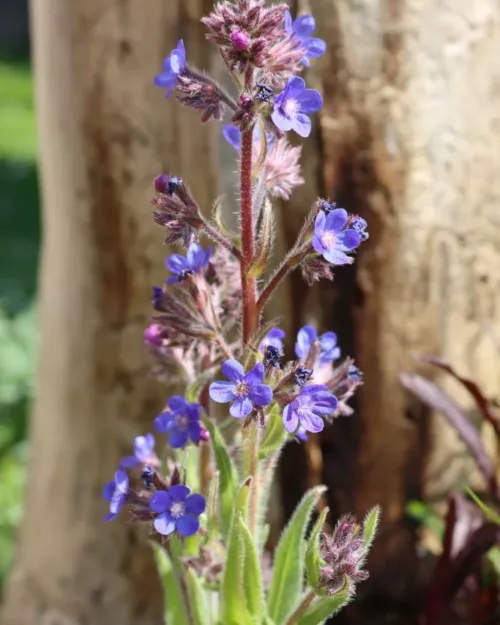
(105, 132)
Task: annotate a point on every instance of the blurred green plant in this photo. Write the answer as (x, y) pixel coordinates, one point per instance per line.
(19, 244)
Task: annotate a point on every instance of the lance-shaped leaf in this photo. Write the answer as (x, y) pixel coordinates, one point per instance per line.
(370, 525)
(288, 574)
(324, 607)
(228, 476)
(198, 599)
(175, 610)
(233, 602)
(313, 557)
(252, 577)
(275, 435)
(440, 401)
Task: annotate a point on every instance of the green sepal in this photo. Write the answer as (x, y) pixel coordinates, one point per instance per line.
(288, 575)
(313, 557)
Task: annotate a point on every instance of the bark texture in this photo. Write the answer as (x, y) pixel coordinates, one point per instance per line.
(409, 138)
(105, 132)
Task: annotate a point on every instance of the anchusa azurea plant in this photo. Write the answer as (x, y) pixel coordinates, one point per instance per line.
(242, 400)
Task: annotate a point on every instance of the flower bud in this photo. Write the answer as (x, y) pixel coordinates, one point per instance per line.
(152, 334)
(240, 40)
(163, 183)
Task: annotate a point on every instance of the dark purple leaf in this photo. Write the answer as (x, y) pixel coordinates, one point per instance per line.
(438, 400)
(482, 402)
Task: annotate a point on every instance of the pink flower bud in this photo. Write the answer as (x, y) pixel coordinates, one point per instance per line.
(152, 334)
(161, 183)
(240, 40)
(204, 434)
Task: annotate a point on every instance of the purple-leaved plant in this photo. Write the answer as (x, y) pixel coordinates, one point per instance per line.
(207, 321)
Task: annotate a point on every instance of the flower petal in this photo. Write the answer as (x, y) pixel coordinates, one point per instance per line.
(177, 403)
(178, 438)
(349, 239)
(315, 47)
(233, 370)
(108, 489)
(336, 257)
(255, 375)
(261, 394)
(121, 481)
(194, 431)
(336, 220)
(160, 501)
(176, 263)
(281, 120)
(117, 501)
(188, 524)
(195, 504)
(165, 80)
(310, 101)
(304, 25)
(143, 447)
(177, 62)
(295, 85)
(182, 50)
(221, 391)
(310, 422)
(288, 22)
(164, 524)
(290, 419)
(233, 136)
(305, 338)
(324, 404)
(129, 462)
(241, 407)
(179, 492)
(164, 422)
(195, 255)
(302, 125)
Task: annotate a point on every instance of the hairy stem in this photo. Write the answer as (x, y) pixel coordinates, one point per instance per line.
(253, 508)
(248, 284)
(216, 235)
(180, 576)
(289, 264)
(302, 608)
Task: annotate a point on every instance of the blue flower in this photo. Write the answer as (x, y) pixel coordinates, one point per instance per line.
(293, 104)
(307, 336)
(177, 510)
(244, 390)
(180, 422)
(301, 435)
(330, 238)
(274, 338)
(116, 493)
(307, 409)
(302, 28)
(232, 135)
(172, 68)
(195, 261)
(144, 453)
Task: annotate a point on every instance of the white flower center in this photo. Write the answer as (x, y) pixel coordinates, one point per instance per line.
(177, 509)
(328, 239)
(291, 107)
(241, 389)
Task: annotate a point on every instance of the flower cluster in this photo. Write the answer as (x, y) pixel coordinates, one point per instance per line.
(206, 325)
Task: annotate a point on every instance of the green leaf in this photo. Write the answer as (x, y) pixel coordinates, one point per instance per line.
(370, 525)
(252, 578)
(198, 599)
(275, 435)
(488, 512)
(174, 606)
(233, 605)
(228, 476)
(313, 558)
(288, 575)
(324, 607)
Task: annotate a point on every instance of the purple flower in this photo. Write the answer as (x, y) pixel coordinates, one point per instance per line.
(153, 334)
(180, 422)
(330, 238)
(292, 105)
(177, 510)
(274, 338)
(307, 336)
(307, 409)
(195, 261)
(244, 390)
(302, 29)
(301, 434)
(144, 453)
(116, 493)
(172, 68)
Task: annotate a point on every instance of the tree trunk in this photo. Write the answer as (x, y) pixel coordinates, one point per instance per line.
(410, 139)
(105, 132)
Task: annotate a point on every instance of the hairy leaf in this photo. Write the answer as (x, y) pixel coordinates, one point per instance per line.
(198, 599)
(252, 578)
(370, 525)
(288, 574)
(175, 611)
(324, 607)
(275, 435)
(313, 558)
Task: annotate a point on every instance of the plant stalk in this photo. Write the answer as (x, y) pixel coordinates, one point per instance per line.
(178, 572)
(288, 265)
(301, 609)
(248, 284)
(253, 508)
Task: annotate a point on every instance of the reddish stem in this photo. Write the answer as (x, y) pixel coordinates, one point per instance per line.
(248, 285)
(289, 264)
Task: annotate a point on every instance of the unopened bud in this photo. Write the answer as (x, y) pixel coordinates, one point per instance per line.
(240, 40)
(166, 184)
(204, 434)
(152, 334)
